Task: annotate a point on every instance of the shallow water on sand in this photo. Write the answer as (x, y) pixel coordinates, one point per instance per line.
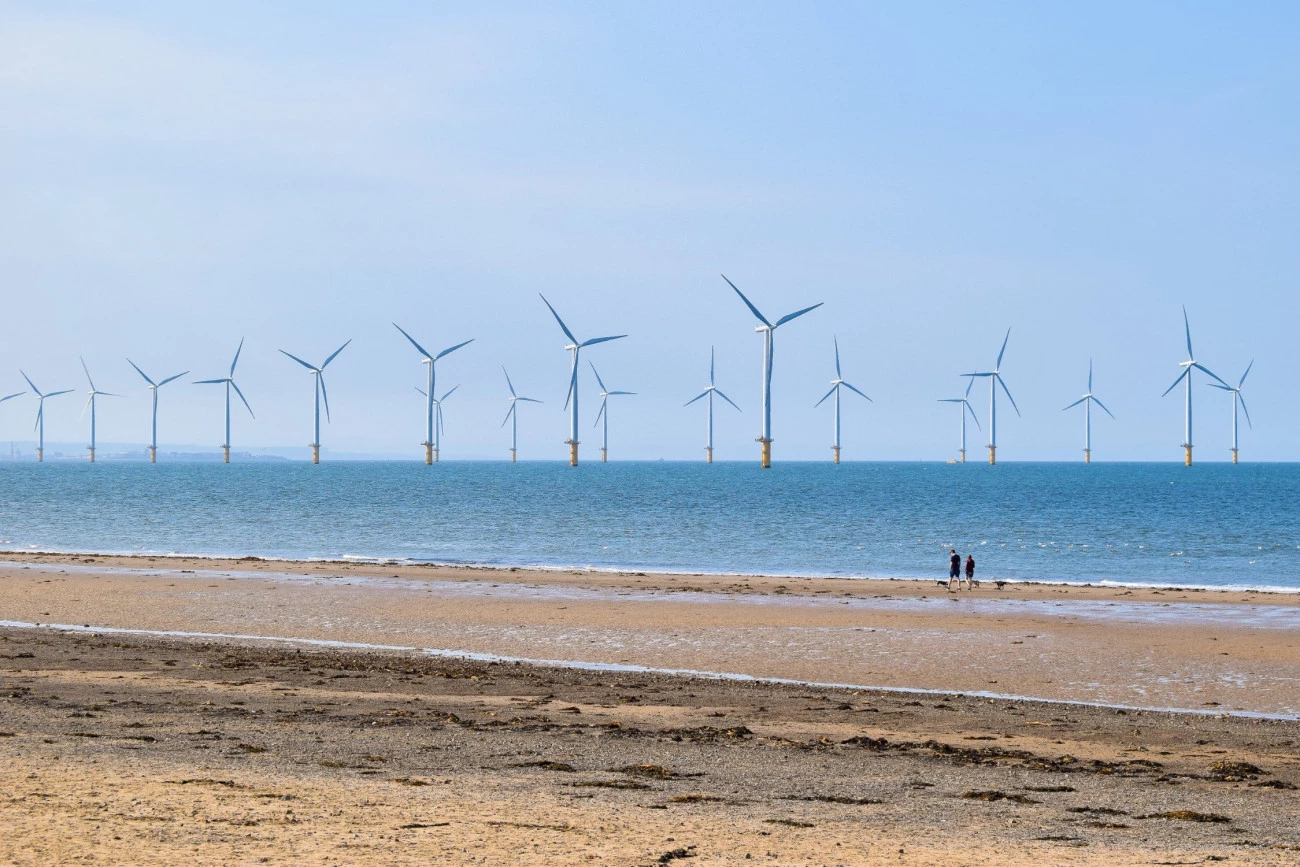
(1209, 526)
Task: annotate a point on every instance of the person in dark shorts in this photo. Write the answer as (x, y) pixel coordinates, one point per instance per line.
(954, 569)
(970, 573)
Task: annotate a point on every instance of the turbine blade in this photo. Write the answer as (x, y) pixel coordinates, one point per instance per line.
(1243, 407)
(973, 416)
(599, 381)
(824, 396)
(838, 374)
(1003, 350)
(241, 396)
(1242, 381)
(449, 350)
(510, 385)
(418, 348)
(1089, 374)
(622, 392)
(142, 373)
(950, 400)
(88, 403)
(299, 360)
(970, 383)
(87, 369)
(36, 390)
(209, 381)
(748, 303)
(1187, 326)
(855, 391)
(509, 413)
(335, 353)
(697, 397)
(171, 378)
(325, 394)
(1076, 403)
(1008, 393)
(448, 393)
(441, 430)
(1181, 376)
(1203, 369)
(710, 365)
(422, 392)
(727, 399)
(40, 413)
(600, 340)
(603, 401)
(795, 315)
(238, 350)
(57, 393)
(11, 396)
(1103, 406)
(563, 327)
(1220, 387)
(573, 384)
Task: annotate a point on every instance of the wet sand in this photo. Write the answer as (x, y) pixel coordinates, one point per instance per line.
(268, 744)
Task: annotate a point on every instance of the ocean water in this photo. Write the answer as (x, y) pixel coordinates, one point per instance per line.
(1213, 525)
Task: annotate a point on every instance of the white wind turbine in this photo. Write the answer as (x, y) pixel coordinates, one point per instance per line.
(154, 386)
(430, 447)
(229, 383)
(837, 383)
(995, 379)
(1187, 366)
(966, 407)
(1088, 400)
(512, 415)
(767, 329)
(437, 412)
(1237, 398)
(318, 373)
(571, 401)
(709, 392)
(605, 395)
(39, 427)
(90, 405)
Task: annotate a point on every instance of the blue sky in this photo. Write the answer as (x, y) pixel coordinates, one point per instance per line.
(176, 178)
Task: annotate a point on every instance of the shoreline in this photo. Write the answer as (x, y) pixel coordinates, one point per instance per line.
(505, 571)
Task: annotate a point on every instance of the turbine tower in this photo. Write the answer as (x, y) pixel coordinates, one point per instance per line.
(995, 379)
(318, 372)
(512, 415)
(1187, 366)
(767, 329)
(571, 401)
(154, 386)
(430, 448)
(229, 383)
(1088, 400)
(836, 384)
(966, 407)
(39, 427)
(1237, 398)
(90, 404)
(437, 407)
(605, 395)
(709, 392)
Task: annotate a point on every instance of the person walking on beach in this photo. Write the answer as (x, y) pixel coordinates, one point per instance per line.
(970, 573)
(954, 569)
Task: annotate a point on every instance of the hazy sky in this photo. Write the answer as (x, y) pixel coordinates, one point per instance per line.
(176, 176)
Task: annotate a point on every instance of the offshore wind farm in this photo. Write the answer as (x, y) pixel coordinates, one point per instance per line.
(502, 572)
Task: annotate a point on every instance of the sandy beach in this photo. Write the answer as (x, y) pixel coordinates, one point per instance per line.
(237, 710)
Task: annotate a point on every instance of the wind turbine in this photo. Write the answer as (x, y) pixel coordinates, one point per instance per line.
(512, 415)
(966, 407)
(571, 401)
(767, 329)
(836, 384)
(605, 395)
(430, 448)
(1237, 398)
(319, 374)
(709, 392)
(40, 414)
(1088, 400)
(437, 426)
(1186, 375)
(154, 386)
(995, 379)
(90, 404)
(229, 383)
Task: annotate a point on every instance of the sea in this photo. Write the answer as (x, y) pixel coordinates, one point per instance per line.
(1213, 526)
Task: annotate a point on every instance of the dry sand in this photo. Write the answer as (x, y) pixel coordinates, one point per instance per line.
(134, 748)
